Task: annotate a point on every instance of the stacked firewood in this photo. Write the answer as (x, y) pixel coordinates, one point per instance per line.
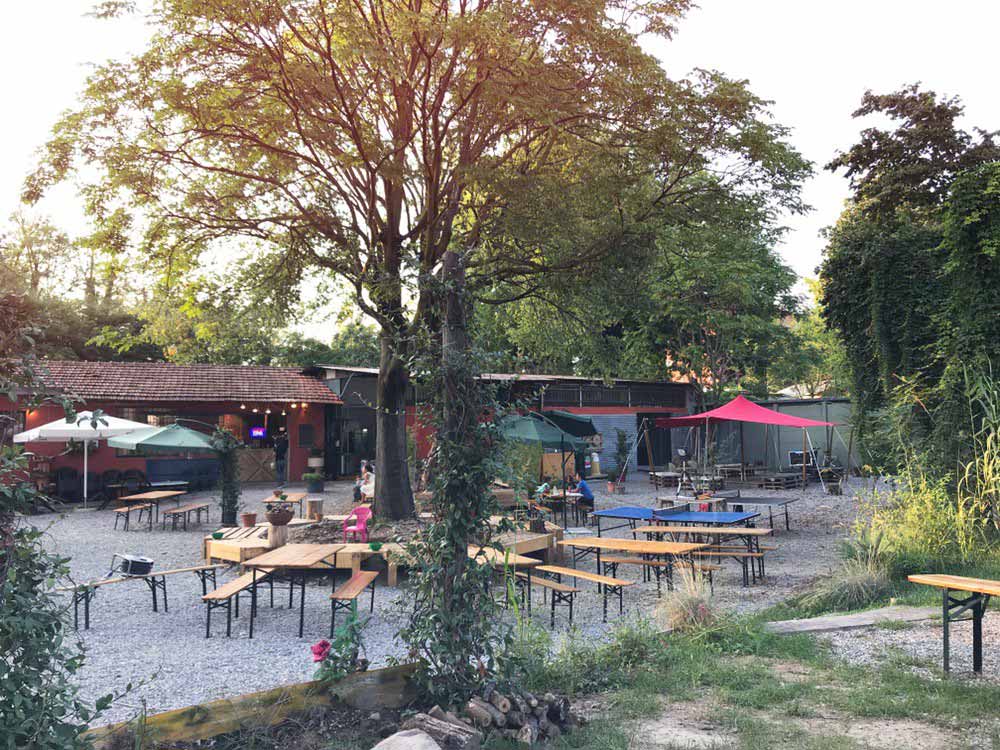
(520, 716)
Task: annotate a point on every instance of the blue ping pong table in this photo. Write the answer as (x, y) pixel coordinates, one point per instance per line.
(632, 514)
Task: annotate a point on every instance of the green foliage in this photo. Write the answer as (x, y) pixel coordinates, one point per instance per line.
(39, 706)
(226, 445)
(861, 581)
(621, 453)
(910, 275)
(341, 655)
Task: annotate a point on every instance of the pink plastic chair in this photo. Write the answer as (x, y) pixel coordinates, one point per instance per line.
(360, 515)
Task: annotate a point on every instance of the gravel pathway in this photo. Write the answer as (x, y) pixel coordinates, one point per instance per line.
(167, 655)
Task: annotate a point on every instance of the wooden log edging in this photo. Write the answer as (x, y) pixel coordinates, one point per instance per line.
(391, 687)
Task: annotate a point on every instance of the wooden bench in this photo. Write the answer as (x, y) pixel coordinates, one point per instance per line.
(184, 512)
(604, 583)
(126, 512)
(156, 581)
(224, 595)
(346, 596)
(562, 594)
(979, 591)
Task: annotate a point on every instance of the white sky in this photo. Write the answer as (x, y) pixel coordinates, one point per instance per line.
(814, 59)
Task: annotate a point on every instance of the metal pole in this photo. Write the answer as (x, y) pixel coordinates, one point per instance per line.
(742, 461)
(804, 439)
(86, 445)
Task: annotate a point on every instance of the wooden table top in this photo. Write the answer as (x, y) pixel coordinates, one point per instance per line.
(958, 583)
(294, 556)
(290, 497)
(154, 495)
(718, 531)
(497, 558)
(637, 546)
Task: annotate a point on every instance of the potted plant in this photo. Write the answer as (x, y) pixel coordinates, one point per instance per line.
(313, 480)
(279, 512)
(248, 520)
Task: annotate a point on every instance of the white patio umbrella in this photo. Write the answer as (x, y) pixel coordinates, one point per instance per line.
(83, 428)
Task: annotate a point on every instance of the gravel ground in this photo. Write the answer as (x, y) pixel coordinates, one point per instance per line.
(175, 665)
(919, 646)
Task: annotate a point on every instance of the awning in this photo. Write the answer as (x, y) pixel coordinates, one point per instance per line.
(741, 409)
(170, 439)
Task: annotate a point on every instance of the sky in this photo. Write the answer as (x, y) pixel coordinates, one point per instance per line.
(813, 59)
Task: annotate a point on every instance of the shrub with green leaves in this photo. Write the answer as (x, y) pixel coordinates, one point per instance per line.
(39, 706)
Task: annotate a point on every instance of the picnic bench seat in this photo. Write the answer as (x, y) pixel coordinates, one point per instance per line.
(125, 512)
(156, 581)
(224, 595)
(978, 592)
(183, 512)
(347, 594)
(659, 568)
(604, 583)
(562, 594)
(749, 561)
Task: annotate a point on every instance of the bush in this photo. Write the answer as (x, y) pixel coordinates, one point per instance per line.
(688, 609)
(861, 581)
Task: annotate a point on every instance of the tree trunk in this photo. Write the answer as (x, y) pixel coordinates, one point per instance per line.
(393, 494)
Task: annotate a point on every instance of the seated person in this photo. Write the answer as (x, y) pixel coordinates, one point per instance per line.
(367, 487)
(587, 495)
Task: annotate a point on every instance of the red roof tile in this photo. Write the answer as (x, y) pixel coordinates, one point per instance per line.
(163, 381)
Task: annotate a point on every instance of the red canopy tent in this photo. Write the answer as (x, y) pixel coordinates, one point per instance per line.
(741, 409)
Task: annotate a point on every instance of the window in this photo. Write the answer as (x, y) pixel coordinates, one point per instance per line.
(307, 436)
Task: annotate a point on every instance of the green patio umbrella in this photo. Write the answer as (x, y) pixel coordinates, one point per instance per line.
(579, 425)
(531, 430)
(170, 439)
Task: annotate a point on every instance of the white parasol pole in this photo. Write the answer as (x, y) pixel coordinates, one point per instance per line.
(86, 446)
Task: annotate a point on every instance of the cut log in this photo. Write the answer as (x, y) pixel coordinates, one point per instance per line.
(559, 711)
(515, 718)
(498, 717)
(527, 735)
(449, 736)
(480, 716)
(501, 702)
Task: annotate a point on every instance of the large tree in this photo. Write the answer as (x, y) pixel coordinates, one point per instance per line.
(367, 139)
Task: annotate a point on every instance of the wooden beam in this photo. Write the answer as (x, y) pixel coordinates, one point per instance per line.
(378, 688)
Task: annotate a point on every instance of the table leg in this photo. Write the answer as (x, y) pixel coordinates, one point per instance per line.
(946, 596)
(253, 600)
(788, 525)
(302, 604)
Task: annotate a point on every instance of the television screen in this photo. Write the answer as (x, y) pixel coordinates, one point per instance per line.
(258, 433)
(795, 458)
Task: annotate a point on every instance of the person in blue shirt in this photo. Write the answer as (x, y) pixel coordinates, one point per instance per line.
(584, 489)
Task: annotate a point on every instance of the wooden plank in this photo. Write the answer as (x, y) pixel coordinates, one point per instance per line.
(632, 545)
(235, 586)
(154, 495)
(548, 583)
(355, 586)
(391, 687)
(592, 577)
(295, 556)
(958, 583)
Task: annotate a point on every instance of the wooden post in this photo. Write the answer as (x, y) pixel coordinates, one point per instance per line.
(804, 448)
(649, 446)
(277, 536)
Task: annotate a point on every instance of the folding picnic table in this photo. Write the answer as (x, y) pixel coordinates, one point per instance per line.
(631, 514)
(153, 498)
(978, 592)
(766, 502)
(642, 547)
(296, 562)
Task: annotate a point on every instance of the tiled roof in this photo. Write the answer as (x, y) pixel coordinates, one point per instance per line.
(163, 381)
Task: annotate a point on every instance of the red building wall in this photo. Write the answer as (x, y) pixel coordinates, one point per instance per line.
(104, 457)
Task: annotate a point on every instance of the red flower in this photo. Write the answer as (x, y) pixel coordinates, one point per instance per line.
(320, 650)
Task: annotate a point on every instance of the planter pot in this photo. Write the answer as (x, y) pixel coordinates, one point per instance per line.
(314, 462)
(248, 520)
(611, 488)
(314, 485)
(280, 517)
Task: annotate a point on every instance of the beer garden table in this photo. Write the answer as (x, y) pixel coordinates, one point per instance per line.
(296, 561)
